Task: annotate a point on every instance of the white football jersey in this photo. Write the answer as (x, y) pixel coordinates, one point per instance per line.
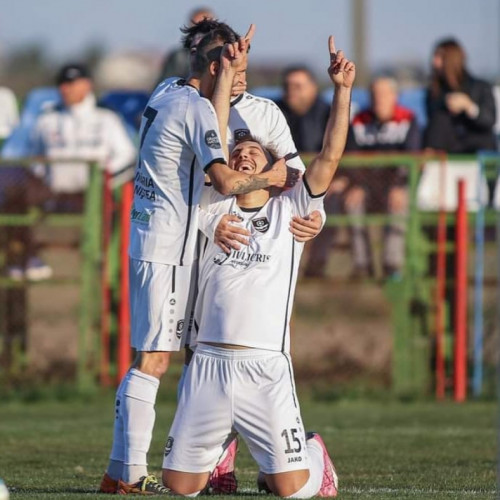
(179, 141)
(263, 119)
(245, 298)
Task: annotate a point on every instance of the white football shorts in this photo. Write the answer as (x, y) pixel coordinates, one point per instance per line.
(158, 301)
(227, 391)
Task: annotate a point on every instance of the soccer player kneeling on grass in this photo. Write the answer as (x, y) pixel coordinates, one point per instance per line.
(180, 142)
(240, 379)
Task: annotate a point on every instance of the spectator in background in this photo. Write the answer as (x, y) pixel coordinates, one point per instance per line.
(77, 128)
(304, 110)
(9, 115)
(385, 126)
(461, 117)
(307, 115)
(177, 61)
(460, 108)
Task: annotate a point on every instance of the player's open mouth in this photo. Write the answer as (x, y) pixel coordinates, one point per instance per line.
(245, 166)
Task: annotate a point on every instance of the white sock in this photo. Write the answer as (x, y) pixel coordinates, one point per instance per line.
(180, 385)
(115, 466)
(316, 466)
(138, 410)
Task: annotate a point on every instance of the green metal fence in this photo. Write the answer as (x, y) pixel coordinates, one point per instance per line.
(411, 296)
(89, 224)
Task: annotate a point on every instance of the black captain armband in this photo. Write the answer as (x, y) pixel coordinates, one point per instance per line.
(308, 189)
(216, 160)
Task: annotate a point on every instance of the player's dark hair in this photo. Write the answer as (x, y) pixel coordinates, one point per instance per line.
(298, 69)
(202, 28)
(250, 138)
(210, 47)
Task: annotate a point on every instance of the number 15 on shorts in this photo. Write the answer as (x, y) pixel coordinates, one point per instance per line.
(291, 438)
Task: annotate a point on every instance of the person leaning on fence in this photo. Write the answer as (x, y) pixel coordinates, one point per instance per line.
(77, 128)
(384, 127)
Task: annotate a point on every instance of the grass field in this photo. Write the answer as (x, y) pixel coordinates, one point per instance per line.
(56, 449)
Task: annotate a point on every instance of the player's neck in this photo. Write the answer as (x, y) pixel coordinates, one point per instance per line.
(255, 199)
(194, 81)
(205, 86)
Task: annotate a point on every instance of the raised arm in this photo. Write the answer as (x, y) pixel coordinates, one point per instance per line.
(233, 59)
(227, 181)
(320, 172)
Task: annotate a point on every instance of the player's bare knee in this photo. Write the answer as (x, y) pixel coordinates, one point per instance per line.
(287, 483)
(184, 483)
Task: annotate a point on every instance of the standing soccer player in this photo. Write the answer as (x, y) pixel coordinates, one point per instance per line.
(241, 370)
(262, 119)
(180, 142)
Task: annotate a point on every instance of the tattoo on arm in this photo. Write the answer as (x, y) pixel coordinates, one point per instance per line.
(253, 183)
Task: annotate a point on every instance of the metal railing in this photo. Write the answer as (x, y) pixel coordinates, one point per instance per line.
(89, 222)
(417, 308)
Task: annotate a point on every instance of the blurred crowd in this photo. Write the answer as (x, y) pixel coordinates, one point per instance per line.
(72, 123)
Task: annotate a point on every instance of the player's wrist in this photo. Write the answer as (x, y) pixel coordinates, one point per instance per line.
(275, 178)
(227, 71)
(342, 88)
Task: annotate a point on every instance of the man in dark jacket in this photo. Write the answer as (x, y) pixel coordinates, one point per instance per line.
(304, 110)
(307, 115)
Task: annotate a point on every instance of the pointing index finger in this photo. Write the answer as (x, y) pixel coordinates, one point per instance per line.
(331, 45)
(250, 33)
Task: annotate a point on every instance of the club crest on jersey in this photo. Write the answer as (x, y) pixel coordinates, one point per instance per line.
(180, 327)
(211, 139)
(168, 446)
(261, 224)
(240, 134)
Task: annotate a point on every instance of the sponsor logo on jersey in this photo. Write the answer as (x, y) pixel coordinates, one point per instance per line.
(169, 445)
(180, 327)
(220, 258)
(240, 134)
(140, 217)
(239, 259)
(294, 459)
(211, 140)
(261, 224)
